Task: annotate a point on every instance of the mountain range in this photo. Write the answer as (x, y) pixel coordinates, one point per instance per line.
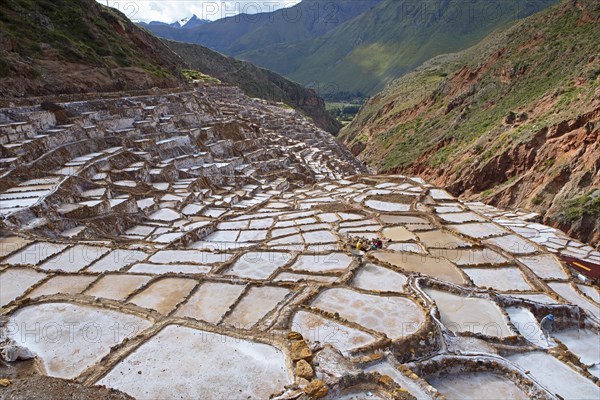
(514, 121)
(186, 23)
(355, 48)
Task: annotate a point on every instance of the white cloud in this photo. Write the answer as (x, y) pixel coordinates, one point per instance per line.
(174, 10)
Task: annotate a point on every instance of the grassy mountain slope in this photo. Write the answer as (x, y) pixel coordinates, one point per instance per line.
(256, 82)
(73, 46)
(363, 55)
(514, 121)
(236, 34)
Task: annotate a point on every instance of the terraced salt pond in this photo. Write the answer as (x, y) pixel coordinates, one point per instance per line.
(398, 234)
(386, 368)
(15, 282)
(63, 284)
(228, 368)
(316, 328)
(330, 263)
(470, 314)
(164, 295)
(476, 386)
(11, 244)
(585, 343)
(545, 266)
(205, 244)
(211, 301)
(528, 326)
(257, 303)
(376, 278)
(498, 278)
(568, 292)
(441, 239)
(435, 267)
(117, 286)
(258, 265)
(395, 316)
(34, 253)
(75, 337)
(557, 376)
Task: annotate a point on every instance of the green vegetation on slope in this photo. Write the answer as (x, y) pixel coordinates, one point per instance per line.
(366, 53)
(51, 37)
(513, 119)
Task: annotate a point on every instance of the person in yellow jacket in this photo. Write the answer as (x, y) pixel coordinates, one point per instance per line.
(359, 245)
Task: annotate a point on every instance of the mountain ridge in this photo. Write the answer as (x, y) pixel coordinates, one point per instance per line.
(306, 19)
(256, 82)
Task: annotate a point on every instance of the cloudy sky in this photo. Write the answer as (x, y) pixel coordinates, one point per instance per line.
(174, 10)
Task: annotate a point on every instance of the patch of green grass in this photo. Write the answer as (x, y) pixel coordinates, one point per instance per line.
(4, 68)
(198, 77)
(537, 200)
(487, 193)
(584, 205)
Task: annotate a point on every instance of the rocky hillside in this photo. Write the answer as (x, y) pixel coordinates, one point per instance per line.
(514, 121)
(75, 46)
(256, 82)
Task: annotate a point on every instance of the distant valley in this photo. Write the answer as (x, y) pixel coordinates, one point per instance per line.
(352, 49)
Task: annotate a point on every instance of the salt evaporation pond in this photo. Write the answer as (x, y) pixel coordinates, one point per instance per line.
(223, 366)
(394, 316)
(211, 301)
(117, 286)
(335, 262)
(546, 266)
(556, 376)
(62, 284)
(376, 278)
(257, 303)
(164, 295)
(476, 386)
(316, 328)
(591, 292)
(502, 279)
(528, 326)
(16, 281)
(568, 292)
(74, 337)
(435, 267)
(386, 206)
(399, 234)
(440, 239)
(258, 265)
(584, 343)
(470, 314)
(386, 368)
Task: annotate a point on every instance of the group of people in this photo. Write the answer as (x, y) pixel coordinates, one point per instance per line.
(362, 244)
